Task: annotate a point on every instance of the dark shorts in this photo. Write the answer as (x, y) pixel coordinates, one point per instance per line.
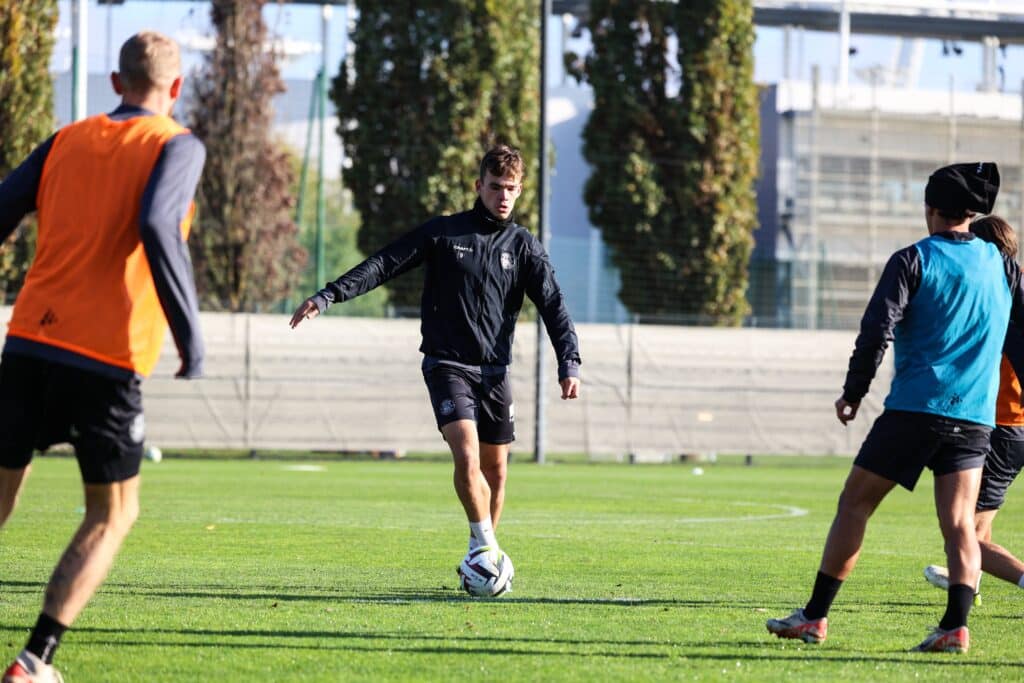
(1004, 462)
(43, 403)
(901, 444)
(459, 393)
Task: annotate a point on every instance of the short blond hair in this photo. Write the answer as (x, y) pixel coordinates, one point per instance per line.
(148, 60)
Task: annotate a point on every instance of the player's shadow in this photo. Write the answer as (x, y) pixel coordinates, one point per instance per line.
(411, 595)
(477, 645)
(21, 586)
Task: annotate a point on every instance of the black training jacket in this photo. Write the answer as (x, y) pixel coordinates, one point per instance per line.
(477, 270)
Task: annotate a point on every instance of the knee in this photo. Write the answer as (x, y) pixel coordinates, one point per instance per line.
(959, 531)
(117, 520)
(851, 506)
(467, 470)
(496, 472)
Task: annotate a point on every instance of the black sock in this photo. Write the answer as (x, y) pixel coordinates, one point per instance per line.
(46, 637)
(958, 604)
(825, 590)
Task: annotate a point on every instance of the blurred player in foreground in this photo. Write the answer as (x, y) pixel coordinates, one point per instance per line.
(113, 194)
(946, 301)
(1006, 457)
(479, 264)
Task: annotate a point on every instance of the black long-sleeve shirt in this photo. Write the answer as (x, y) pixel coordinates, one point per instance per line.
(169, 191)
(478, 269)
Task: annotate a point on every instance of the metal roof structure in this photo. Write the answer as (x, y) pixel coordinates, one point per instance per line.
(957, 20)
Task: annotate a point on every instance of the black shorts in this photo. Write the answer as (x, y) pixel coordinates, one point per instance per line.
(1004, 462)
(901, 444)
(460, 393)
(43, 403)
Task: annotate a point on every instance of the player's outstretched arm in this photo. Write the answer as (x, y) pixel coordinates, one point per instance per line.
(307, 310)
(400, 256)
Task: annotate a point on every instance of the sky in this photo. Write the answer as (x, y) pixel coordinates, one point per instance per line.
(110, 25)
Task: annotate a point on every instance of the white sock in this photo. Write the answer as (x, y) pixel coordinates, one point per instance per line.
(483, 532)
(1020, 581)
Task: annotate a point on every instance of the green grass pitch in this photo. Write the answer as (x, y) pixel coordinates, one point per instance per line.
(279, 571)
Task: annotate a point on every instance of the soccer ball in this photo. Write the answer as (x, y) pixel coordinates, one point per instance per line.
(153, 454)
(486, 572)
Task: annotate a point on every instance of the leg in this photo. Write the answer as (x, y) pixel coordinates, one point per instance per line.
(494, 465)
(995, 559)
(861, 495)
(11, 481)
(955, 497)
(110, 512)
(470, 485)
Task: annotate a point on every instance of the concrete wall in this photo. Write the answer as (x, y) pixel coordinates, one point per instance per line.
(352, 383)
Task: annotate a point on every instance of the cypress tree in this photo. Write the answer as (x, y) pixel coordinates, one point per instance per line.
(245, 245)
(26, 115)
(433, 89)
(673, 144)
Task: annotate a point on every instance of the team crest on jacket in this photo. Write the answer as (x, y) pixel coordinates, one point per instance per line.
(508, 262)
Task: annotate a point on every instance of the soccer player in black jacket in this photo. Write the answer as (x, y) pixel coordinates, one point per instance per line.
(478, 265)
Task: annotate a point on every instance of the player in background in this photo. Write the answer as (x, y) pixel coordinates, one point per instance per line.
(113, 194)
(478, 265)
(1005, 459)
(946, 301)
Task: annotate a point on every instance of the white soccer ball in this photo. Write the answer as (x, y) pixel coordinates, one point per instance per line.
(486, 572)
(153, 454)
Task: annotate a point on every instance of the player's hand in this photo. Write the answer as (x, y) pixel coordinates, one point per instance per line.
(307, 310)
(846, 411)
(190, 369)
(570, 387)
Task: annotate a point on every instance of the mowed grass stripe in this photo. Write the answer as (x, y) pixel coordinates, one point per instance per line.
(245, 570)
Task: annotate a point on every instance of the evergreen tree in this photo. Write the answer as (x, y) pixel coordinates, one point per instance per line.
(432, 90)
(26, 112)
(672, 188)
(245, 242)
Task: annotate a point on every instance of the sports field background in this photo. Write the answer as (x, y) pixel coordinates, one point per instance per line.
(296, 570)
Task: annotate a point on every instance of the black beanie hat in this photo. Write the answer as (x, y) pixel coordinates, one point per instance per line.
(963, 187)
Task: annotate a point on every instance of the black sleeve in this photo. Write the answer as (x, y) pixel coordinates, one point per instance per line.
(543, 290)
(165, 204)
(402, 255)
(895, 289)
(19, 189)
(1013, 347)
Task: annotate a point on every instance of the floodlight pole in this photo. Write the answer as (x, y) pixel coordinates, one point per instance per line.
(540, 421)
(321, 200)
(79, 57)
(843, 74)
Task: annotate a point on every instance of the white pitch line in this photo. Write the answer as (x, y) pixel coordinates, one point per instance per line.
(305, 468)
(787, 511)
